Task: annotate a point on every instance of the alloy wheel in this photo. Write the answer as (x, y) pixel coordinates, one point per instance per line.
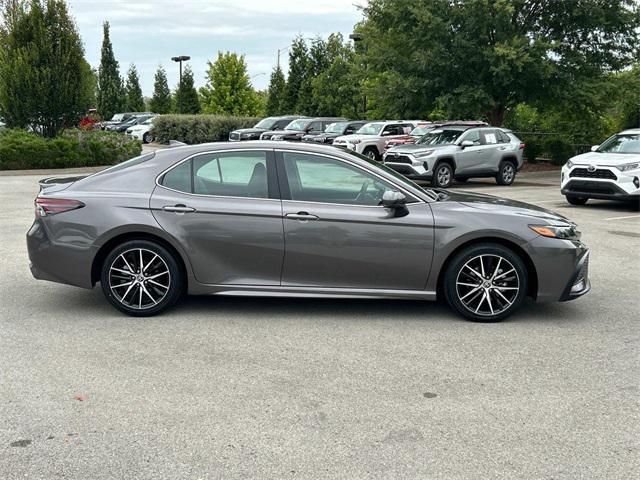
(508, 173)
(139, 278)
(444, 175)
(487, 285)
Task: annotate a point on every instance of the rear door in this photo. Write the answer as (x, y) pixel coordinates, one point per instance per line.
(495, 146)
(224, 208)
(337, 234)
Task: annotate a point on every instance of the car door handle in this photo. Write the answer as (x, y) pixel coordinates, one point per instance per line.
(178, 209)
(303, 216)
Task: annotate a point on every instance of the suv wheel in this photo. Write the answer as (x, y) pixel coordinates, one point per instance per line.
(141, 278)
(573, 200)
(371, 152)
(506, 173)
(442, 175)
(147, 138)
(485, 282)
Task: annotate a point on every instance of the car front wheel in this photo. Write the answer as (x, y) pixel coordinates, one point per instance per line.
(147, 138)
(485, 283)
(141, 278)
(573, 200)
(371, 152)
(442, 176)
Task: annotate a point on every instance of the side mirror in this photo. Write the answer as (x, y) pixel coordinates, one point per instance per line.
(395, 201)
(595, 148)
(386, 134)
(467, 143)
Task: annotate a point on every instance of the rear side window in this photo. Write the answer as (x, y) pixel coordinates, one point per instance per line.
(231, 174)
(503, 137)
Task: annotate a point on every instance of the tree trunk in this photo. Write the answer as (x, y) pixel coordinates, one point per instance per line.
(496, 115)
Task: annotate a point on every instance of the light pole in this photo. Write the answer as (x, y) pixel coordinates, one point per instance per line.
(357, 38)
(180, 59)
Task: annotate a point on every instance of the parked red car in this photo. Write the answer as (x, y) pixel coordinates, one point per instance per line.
(424, 128)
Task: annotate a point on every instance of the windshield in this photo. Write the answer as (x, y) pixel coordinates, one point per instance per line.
(118, 117)
(149, 121)
(400, 178)
(440, 137)
(266, 123)
(626, 143)
(337, 127)
(370, 129)
(419, 131)
(297, 125)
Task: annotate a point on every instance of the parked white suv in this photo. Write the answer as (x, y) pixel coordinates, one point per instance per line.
(370, 139)
(611, 171)
(142, 131)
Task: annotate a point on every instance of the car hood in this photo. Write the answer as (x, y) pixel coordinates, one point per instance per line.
(595, 158)
(504, 205)
(284, 132)
(249, 130)
(355, 136)
(416, 148)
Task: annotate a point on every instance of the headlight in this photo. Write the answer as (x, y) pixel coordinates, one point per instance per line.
(563, 232)
(628, 166)
(426, 153)
(569, 164)
(355, 142)
(245, 135)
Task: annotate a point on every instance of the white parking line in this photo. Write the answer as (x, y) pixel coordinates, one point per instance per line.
(623, 218)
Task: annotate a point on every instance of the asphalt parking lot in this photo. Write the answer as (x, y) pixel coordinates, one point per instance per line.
(277, 388)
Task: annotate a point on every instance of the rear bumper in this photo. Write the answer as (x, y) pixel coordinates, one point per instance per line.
(55, 262)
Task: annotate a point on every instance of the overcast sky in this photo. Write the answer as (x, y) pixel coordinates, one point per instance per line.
(150, 32)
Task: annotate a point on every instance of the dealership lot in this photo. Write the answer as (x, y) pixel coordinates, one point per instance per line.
(259, 388)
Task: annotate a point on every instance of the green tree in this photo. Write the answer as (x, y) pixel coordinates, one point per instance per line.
(42, 66)
(133, 92)
(228, 90)
(110, 96)
(186, 97)
(89, 85)
(298, 57)
(275, 92)
(316, 63)
(161, 100)
(483, 57)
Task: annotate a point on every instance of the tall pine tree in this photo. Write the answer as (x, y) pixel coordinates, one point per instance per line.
(133, 92)
(161, 100)
(43, 73)
(187, 100)
(228, 90)
(317, 62)
(298, 58)
(111, 98)
(275, 92)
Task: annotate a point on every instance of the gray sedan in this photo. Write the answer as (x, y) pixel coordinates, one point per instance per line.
(297, 220)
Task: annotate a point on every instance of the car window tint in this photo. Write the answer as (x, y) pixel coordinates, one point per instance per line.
(179, 178)
(472, 136)
(241, 174)
(320, 179)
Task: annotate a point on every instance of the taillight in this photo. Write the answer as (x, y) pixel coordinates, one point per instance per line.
(50, 206)
(522, 146)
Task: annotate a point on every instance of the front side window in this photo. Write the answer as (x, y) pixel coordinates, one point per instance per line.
(230, 174)
(321, 179)
(474, 136)
(627, 143)
(298, 125)
(370, 129)
(266, 123)
(315, 127)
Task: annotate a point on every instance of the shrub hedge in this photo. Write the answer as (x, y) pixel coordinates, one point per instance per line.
(20, 149)
(193, 129)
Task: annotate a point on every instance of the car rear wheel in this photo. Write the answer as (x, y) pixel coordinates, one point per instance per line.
(442, 175)
(371, 152)
(486, 282)
(506, 173)
(141, 278)
(573, 200)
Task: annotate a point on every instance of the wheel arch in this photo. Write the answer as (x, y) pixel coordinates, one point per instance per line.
(119, 238)
(532, 273)
(446, 159)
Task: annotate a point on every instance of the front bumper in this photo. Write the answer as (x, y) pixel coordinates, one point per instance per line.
(408, 166)
(579, 283)
(605, 183)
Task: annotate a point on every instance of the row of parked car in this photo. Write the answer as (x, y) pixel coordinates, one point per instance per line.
(438, 152)
(134, 124)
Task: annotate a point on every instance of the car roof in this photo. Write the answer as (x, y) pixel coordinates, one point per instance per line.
(630, 131)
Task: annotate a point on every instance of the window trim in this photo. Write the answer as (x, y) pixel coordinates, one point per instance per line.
(283, 180)
(273, 188)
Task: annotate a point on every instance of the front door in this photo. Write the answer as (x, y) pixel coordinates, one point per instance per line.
(337, 234)
(471, 159)
(224, 208)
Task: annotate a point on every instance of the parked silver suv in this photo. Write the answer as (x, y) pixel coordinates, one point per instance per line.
(460, 152)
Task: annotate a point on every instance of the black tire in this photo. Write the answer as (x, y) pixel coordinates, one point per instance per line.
(147, 138)
(573, 200)
(372, 153)
(156, 259)
(442, 175)
(498, 261)
(506, 173)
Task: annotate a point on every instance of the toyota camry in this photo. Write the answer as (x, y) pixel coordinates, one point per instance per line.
(295, 220)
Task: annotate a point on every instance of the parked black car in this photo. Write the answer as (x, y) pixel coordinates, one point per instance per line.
(269, 123)
(298, 128)
(334, 131)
